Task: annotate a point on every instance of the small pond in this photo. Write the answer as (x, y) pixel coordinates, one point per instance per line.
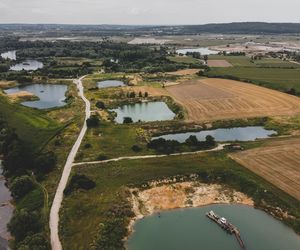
(12, 55)
(224, 134)
(6, 211)
(191, 229)
(50, 95)
(109, 84)
(146, 112)
(27, 65)
(202, 51)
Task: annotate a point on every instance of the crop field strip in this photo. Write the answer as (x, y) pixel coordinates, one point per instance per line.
(213, 99)
(279, 163)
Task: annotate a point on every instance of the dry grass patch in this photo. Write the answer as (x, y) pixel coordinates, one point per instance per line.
(217, 99)
(184, 72)
(278, 163)
(219, 63)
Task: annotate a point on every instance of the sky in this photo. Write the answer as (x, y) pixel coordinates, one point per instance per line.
(147, 12)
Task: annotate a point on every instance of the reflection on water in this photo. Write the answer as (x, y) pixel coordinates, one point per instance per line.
(27, 65)
(224, 134)
(149, 111)
(50, 95)
(191, 229)
(110, 83)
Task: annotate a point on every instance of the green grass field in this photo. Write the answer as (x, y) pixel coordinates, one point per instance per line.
(83, 211)
(32, 126)
(184, 59)
(276, 78)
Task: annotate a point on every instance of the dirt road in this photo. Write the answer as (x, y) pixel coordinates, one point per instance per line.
(54, 213)
(218, 148)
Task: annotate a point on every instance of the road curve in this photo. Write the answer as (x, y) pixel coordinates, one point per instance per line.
(218, 148)
(54, 212)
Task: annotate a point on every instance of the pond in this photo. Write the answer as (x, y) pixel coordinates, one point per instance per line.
(12, 55)
(146, 112)
(6, 211)
(191, 229)
(27, 65)
(202, 51)
(50, 95)
(110, 83)
(224, 134)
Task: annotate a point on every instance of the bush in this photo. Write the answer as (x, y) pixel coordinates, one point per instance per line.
(127, 120)
(79, 181)
(21, 186)
(102, 157)
(36, 242)
(136, 148)
(100, 105)
(93, 121)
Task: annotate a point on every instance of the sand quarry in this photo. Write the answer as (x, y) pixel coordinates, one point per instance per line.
(278, 163)
(216, 99)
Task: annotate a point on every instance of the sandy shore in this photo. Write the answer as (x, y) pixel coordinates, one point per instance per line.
(165, 196)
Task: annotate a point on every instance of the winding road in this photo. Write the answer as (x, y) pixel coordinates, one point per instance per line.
(54, 212)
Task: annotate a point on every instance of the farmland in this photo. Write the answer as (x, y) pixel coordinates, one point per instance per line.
(278, 163)
(215, 99)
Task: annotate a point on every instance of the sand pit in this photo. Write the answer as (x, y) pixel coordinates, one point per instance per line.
(217, 99)
(23, 95)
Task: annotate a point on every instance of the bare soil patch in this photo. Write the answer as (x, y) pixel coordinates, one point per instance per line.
(216, 99)
(278, 163)
(152, 91)
(184, 72)
(23, 95)
(219, 63)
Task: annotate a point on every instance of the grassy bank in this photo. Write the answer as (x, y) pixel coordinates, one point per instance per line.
(98, 217)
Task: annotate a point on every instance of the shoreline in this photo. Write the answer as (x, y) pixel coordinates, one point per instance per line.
(168, 195)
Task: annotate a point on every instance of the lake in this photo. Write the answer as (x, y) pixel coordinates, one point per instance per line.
(12, 55)
(202, 51)
(27, 65)
(190, 229)
(109, 84)
(50, 95)
(146, 112)
(6, 211)
(224, 134)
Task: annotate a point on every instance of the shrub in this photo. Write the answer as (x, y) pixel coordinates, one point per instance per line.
(100, 105)
(93, 121)
(79, 181)
(136, 148)
(127, 120)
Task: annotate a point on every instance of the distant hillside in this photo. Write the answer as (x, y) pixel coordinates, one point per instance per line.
(102, 30)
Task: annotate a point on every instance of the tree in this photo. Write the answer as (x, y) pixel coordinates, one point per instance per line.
(100, 105)
(24, 223)
(210, 141)
(21, 186)
(93, 121)
(127, 120)
(79, 181)
(192, 140)
(140, 94)
(35, 242)
(46, 162)
(146, 94)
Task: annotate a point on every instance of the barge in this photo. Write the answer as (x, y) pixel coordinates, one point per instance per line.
(228, 227)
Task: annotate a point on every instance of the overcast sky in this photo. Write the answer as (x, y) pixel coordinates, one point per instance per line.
(148, 11)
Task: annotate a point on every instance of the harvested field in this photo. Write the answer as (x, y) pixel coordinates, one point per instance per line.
(278, 163)
(184, 72)
(219, 63)
(152, 91)
(216, 99)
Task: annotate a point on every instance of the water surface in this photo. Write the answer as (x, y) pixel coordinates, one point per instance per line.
(6, 211)
(50, 95)
(190, 229)
(202, 51)
(147, 112)
(12, 55)
(110, 83)
(27, 65)
(224, 134)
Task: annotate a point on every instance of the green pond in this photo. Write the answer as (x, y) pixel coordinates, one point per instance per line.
(189, 229)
